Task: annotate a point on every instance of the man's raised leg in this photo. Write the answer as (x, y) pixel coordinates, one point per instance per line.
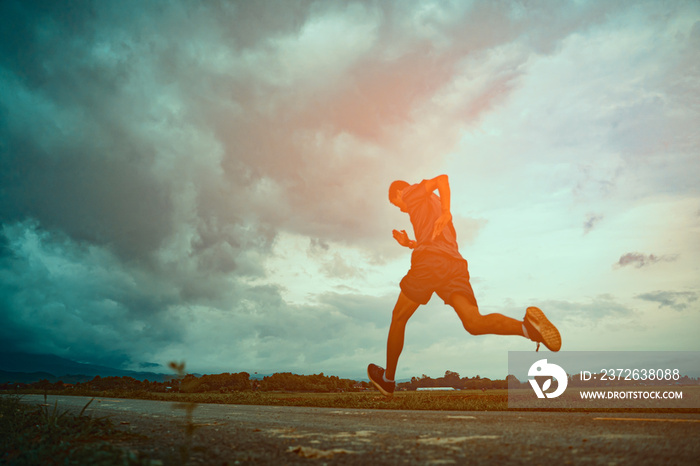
(477, 324)
(535, 327)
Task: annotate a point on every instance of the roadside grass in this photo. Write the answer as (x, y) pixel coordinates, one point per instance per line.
(44, 434)
(475, 400)
(462, 400)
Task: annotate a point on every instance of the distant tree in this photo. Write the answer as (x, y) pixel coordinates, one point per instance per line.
(226, 382)
(449, 375)
(512, 381)
(286, 381)
(42, 385)
(451, 379)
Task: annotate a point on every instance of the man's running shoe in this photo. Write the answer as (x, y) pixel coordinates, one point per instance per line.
(541, 330)
(376, 376)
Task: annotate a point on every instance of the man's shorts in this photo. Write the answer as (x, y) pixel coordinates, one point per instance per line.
(435, 273)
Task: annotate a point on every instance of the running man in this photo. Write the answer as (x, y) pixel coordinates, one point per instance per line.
(438, 267)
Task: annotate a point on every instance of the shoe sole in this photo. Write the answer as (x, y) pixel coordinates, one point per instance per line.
(379, 387)
(549, 333)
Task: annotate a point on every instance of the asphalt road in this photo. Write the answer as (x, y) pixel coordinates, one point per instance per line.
(236, 434)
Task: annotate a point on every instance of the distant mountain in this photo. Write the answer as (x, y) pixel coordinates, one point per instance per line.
(27, 368)
(31, 377)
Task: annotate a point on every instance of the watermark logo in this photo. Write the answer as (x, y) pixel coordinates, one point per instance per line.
(604, 379)
(542, 368)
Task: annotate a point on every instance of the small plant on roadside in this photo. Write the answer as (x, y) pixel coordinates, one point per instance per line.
(189, 406)
(51, 419)
(45, 434)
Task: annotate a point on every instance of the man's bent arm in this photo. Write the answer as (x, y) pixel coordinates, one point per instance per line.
(442, 184)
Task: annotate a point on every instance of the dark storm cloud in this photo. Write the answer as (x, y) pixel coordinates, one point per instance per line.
(118, 83)
(91, 197)
(27, 26)
(151, 153)
(123, 163)
(58, 296)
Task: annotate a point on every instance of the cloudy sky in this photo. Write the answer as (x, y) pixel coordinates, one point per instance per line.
(206, 181)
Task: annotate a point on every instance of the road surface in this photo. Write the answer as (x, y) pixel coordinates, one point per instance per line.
(236, 434)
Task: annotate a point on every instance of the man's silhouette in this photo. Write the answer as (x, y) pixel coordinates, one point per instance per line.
(438, 267)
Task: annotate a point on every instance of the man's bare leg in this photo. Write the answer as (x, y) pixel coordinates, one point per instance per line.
(477, 324)
(403, 310)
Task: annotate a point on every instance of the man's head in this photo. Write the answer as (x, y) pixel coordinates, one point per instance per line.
(396, 194)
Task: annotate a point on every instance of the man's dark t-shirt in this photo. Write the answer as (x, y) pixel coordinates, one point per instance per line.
(424, 209)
